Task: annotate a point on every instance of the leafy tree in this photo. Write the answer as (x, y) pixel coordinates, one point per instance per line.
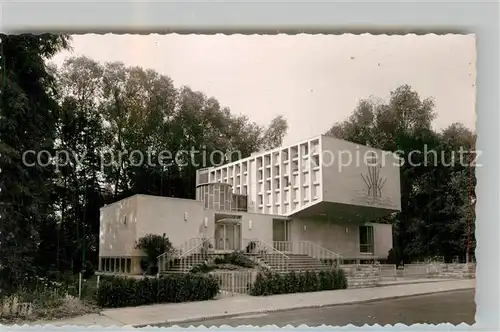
(29, 111)
(273, 136)
(92, 111)
(434, 197)
(154, 245)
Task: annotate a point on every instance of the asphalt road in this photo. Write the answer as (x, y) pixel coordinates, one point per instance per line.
(450, 307)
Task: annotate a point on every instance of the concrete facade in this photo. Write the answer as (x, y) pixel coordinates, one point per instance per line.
(304, 192)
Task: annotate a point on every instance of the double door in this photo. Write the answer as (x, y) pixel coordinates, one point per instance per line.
(282, 235)
(227, 236)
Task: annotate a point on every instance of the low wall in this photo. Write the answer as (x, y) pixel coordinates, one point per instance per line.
(360, 276)
(432, 270)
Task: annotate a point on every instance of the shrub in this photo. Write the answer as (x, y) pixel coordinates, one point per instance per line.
(340, 280)
(228, 262)
(203, 268)
(270, 283)
(238, 258)
(125, 292)
(42, 303)
(89, 270)
(153, 246)
(251, 247)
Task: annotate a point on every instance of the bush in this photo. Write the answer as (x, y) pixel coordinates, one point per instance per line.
(203, 268)
(228, 262)
(270, 283)
(154, 245)
(89, 270)
(238, 258)
(251, 247)
(50, 301)
(120, 292)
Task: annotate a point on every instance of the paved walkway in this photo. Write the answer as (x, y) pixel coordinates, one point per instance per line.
(232, 306)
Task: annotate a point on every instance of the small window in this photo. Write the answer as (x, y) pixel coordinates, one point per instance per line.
(366, 239)
(122, 265)
(125, 220)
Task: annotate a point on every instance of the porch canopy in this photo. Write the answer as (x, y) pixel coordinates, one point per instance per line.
(224, 218)
(343, 212)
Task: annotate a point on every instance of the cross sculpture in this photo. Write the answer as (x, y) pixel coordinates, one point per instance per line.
(373, 181)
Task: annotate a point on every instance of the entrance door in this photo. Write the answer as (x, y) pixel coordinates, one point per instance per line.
(227, 237)
(282, 234)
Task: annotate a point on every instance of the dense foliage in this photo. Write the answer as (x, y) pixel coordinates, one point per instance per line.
(95, 111)
(29, 115)
(154, 245)
(126, 292)
(232, 261)
(271, 283)
(89, 112)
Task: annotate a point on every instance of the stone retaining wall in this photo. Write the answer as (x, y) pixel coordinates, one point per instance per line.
(370, 275)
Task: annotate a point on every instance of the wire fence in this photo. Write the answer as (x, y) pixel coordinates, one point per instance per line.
(234, 283)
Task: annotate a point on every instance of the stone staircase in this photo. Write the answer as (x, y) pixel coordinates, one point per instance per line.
(275, 262)
(358, 276)
(295, 262)
(185, 264)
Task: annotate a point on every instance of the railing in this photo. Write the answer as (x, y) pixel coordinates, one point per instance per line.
(188, 254)
(283, 246)
(415, 271)
(311, 249)
(269, 254)
(235, 282)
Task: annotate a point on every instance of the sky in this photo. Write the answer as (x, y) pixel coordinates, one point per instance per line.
(313, 80)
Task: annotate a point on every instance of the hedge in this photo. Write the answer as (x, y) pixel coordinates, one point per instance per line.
(121, 292)
(270, 283)
(228, 261)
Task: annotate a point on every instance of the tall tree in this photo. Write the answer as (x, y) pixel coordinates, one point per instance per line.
(432, 201)
(28, 122)
(127, 114)
(274, 134)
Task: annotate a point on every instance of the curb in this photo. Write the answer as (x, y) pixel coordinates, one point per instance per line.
(415, 283)
(201, 319)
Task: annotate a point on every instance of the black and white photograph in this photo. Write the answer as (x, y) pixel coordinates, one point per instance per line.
(226, 180)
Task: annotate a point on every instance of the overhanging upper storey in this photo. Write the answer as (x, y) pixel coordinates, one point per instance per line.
(277, 181)
(322, 175)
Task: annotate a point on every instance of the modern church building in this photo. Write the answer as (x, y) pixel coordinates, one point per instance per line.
(320, 198)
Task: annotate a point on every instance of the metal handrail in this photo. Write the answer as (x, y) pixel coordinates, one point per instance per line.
(187, 253)
(181, 255)
(269, 246)
(323, 249)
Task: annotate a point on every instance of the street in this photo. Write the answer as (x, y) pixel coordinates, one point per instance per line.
(450, 307)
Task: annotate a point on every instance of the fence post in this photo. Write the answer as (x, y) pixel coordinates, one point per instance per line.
(232, 283)
(158, 287)
(80, 285)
